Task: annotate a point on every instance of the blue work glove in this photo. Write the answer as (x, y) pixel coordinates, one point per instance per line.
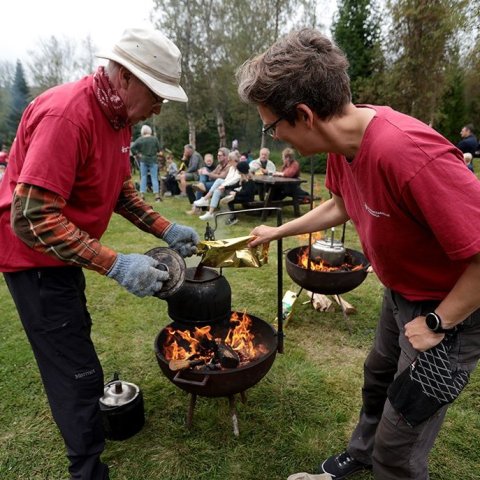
(137, 273)
(182, 239)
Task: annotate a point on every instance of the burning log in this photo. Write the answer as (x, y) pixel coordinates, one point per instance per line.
(176, 365)
(227, 356)
(200, 348)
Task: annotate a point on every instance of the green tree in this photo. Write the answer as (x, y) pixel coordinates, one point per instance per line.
(356, 29)
(421, 40)
(7, 75)
(53, 62)
(215, 38)
(19, 98)
(453, 106)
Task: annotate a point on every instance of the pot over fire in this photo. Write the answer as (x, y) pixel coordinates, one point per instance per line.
(322, 278)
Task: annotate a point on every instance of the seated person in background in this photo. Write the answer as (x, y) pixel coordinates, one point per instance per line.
(169, 185)
(262, 165)
(196, 190)
(207, 178)
(467, 158)
(242, 194)
(193, 162)
(220, 187)
(290, 169)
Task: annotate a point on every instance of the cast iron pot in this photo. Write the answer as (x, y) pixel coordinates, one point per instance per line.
(204, 298)
(327, 283)
(222, 383)
(122, 409)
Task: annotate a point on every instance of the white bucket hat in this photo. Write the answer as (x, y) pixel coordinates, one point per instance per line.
(153, 59)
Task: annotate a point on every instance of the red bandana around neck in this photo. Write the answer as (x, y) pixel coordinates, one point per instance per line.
(110, 102)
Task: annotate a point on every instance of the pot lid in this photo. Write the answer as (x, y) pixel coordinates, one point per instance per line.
(118, 393)
(172, 262)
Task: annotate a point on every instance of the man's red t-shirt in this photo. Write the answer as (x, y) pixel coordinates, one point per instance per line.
(414, 203)
(65, 144)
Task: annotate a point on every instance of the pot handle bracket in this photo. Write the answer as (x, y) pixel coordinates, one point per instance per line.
(177, 378)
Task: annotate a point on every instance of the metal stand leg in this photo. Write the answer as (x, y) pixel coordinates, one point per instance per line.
(243, 396)
(233, 413)
(191, 408)
(345, 316)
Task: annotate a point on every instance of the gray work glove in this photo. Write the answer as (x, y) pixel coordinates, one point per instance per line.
(137, 273)
(182, 239)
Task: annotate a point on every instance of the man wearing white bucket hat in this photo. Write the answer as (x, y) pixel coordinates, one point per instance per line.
(69, 171)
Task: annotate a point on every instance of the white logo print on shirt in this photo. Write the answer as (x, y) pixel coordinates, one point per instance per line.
(374, 213)
(125, 149)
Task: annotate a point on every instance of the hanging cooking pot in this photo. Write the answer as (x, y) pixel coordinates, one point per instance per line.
(122, 409)
(328, 250)
(204, 298)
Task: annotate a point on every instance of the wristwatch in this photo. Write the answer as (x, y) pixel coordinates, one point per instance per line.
(434, 323)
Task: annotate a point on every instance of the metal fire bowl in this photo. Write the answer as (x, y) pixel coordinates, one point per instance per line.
(172, 262)
(327, 283)
(221, 383)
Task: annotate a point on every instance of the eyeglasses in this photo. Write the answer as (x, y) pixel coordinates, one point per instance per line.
(270, 128)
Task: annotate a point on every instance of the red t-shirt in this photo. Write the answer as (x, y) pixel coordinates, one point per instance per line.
(292, 170)
(415, 204)
(65, 144)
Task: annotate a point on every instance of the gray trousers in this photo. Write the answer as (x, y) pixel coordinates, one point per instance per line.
(382, 438)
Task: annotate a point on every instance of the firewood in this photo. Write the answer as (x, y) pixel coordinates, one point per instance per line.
(227, 356)
(320, 302)
(176, 365)
(349, 309)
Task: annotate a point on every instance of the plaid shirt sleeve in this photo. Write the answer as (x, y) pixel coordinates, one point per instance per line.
(134, 209)
(37, 219)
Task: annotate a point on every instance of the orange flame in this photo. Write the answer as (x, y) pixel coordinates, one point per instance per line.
(240, 338)
(183, 344)
(304, 237)
(305, 262)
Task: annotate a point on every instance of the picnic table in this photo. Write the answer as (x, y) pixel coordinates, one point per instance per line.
(269, 184)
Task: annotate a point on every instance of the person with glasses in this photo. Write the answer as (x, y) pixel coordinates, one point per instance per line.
(422, 243)
(263, 165)
(69, 171)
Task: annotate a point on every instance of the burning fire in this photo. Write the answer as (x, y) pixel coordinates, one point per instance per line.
(305, 262)
(201, 344)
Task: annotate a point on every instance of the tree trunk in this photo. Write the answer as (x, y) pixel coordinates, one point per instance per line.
(222, 136)
(192, 132)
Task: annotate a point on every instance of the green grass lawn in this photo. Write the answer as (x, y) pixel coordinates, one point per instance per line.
(301, 412)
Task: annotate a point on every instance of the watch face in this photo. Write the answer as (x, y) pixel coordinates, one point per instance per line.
(432, 321)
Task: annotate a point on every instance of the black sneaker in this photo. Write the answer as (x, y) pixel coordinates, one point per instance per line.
(342, 466)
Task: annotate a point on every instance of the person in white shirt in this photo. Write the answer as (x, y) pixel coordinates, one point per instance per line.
(220, 187)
